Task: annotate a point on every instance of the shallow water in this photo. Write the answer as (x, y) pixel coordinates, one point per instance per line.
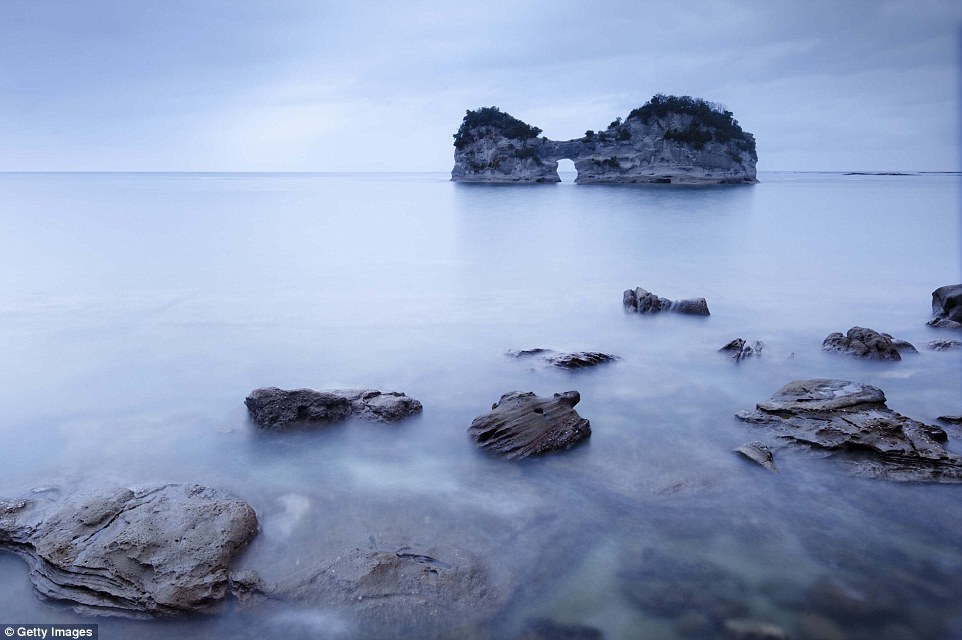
(138, 310)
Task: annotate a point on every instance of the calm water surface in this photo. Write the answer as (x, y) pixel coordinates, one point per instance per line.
(138, 310)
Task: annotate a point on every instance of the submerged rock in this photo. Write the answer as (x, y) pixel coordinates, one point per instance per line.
(739, 348)
(152, 552)
(273, 408)
(837, 415)
(951, 419)
(670, 139)
(864, 343)
(947, 307)
(759, 453)
(639, 300)
(943, 345)
(577, 360)
(523, 424)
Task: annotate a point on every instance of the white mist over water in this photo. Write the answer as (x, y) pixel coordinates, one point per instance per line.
(138, 310)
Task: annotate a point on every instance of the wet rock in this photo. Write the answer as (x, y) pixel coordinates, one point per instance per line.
(943, 345)
(739, 348)
(837, 415)
(406, 593)
(864, 343)
(669, 586)
(152, 552)
(759, 453)
(639, 300)
(947, 307)
(524, 424)
(545, 629)
(577, 360)
(750, 629)
(273, 408)
(951, 419)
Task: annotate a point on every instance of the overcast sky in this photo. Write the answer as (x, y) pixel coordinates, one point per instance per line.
(297, 85)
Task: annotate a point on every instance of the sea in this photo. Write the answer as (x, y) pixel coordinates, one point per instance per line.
(138, 310)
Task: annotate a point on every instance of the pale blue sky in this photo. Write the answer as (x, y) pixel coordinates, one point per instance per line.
(292, 85)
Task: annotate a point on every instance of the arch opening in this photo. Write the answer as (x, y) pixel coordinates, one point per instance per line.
(566, 170)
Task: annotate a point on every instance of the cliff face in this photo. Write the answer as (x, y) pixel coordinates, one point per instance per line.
(669, 140)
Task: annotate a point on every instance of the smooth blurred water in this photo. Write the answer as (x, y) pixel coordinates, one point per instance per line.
(138, 310)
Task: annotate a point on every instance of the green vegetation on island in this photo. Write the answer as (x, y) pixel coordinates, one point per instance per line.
(506, 124)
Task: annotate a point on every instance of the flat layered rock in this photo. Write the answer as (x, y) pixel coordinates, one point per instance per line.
(576, 360)
(843, 416)
(273, 408)
(640, 300)
(153, 552)
(524, 424)
(865, 343)
(759, 453)
(947, 307)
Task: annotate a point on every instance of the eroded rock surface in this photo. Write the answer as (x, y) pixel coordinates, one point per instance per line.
(864, 343)
(576, 360)
(640, 300)
(739, 349)
(137, 553)
(838, 415)
(947, 307)
(524, 424)
(273, 408)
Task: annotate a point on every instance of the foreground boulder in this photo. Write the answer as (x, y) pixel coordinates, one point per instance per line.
(523, 424)
(837, 415)
(865, 343)
(273, 408)
(639, 300)
(576, 360)
(947, 307)
(739, 349)
(153, 552)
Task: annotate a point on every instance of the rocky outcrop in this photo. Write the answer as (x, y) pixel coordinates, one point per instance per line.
(273, 408)
(739, 349)
(863, 343)
(943, 345)
(837, 415)
(143, 553)
(523, 424)
(639, 300)
(671, 139)
(576, 360)
(947, 307)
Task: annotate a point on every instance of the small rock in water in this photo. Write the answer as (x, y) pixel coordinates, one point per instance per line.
(739, 348)
(759, 453)
(750, 629)
(273, 408)
(951, 419)
(523, 424)
(545, 629)
(947, 307)
(943, 345)
(577, 360)
(864, 343)
(837, 415)
(639, 300)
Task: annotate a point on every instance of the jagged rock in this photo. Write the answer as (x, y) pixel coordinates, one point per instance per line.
(545, 629)
(523, 424)
(739, 349)
(943, 345)
(864, 343)
(749, 629)
(947, 307)
(153, 552)
(837, 415)
(670, 139)
(639, 300)
(273, 408)
(759, 453)
(577, 360)
(405, 593)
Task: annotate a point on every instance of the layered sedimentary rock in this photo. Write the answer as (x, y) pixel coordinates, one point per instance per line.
(576, 360)
(524, 424)
(273, 408)
(151, 552)
(837, 415)
(679, 140)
